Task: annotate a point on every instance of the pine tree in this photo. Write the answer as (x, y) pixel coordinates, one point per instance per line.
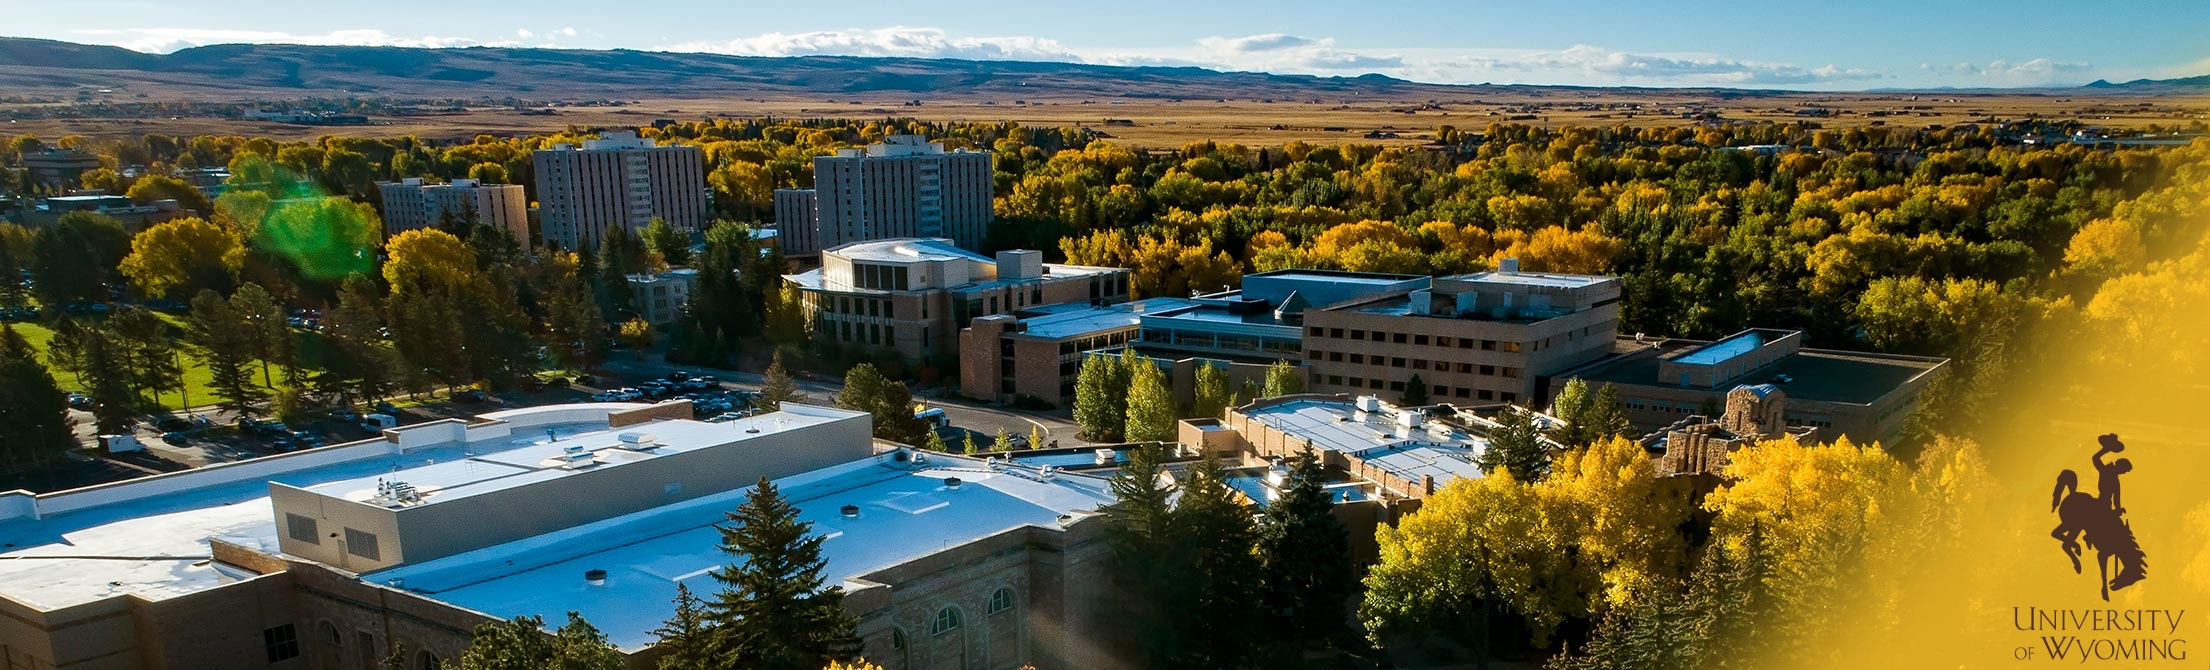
(271, 337)
(1282, 379)
(778, 387)
(107, 382)
(775, 611)
(1212, 396)
(1517, 445)
(1150, 405)
(147, 349)
(1141, 530)
(35, 428)
(357, 358)
(866, 390)
(1094, 391)
(1003, 441)
(522, 644)
(225, 345)
(1607, 417)
(1573, 406)
(935, 442)
(1309, 579)
(971, 448)
(1035, 436)
(1415, 392)
(685, 639)
(1214, 604)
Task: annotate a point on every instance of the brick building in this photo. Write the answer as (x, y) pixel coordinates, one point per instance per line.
(911, 297)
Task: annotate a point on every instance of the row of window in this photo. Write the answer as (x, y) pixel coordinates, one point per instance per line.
(845, 304)
(950, 618)
(879, 277)
(1435, 391)
(1413, 339)
(1506, 372)
(281, 644)
(870, 333)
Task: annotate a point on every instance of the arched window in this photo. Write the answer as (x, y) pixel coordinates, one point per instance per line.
(897, 639)
(947, 620)
(425, 660)
(1001, 600)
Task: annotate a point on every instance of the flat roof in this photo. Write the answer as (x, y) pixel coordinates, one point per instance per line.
(1433, 448)
(906, 512)
(1078, 322)
(1547, 279)
(1817, 374)
(1725, 349)
(1339, 276)
(1217, 314)
(541, 461)
(907, 250)
(155, 546)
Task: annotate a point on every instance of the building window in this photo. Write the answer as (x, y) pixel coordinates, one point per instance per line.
(1335, 356)
(1314, 331)
(1373, 383)
(1001, 600)
(1509, 396)
(897, 639)
(1358, 358)
(1485, 394)
(1358, 334)
(947, 620)
(1465, 343)
(1336, 333)
(1511, 347)
(282, 643)
(1419, 340)
(1460, 392)
(1336, 380)
(427, 661)
(1488, 345)
(1511, 373)
(368, 657)
(1419, 364)
(1397, 338)
(1488, 370)
(362, 544)
(1396, 386)
(1396, 362)
(302, 528)
(1357, 383)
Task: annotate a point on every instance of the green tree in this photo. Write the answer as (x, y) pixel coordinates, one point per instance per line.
(1143, 536)
(1217, 609)
(358, 362)
(74, 260)
(148, 350)
(522, 644)
(1607, 417)
(1308, 575)
(970, 448)
(866, 390)
(935, 442)
(1211, 395)
(1003, 441)
(1100, 398)
(1150, 405)
(1574, 405)
(225, 344)
(778, 387)
(685, 641)
(674, 246)
(35, 428)
(775, 611)
(107, 382)
(273, 344)
(1283, 379)
(574, 334)
(1517, 445)
(1415, 392)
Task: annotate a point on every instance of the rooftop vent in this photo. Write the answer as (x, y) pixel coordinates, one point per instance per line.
(1047, 472)
(1509, 266)
(1103, 457)
(951, 483)
(849, 511)
(639, 441)
(595, 577)
(1367, 403)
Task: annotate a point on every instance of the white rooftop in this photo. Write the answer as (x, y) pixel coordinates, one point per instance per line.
(906, 511)
(155, 545)
(1431, 448)
(907, 251)
(1061, 323)
(1546, 279)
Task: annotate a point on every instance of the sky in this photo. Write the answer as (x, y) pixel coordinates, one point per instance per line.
(1825, 45)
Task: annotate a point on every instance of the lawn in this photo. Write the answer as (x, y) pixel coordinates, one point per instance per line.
(196, 375)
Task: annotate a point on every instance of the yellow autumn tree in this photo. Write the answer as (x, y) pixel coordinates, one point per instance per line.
(183, 256)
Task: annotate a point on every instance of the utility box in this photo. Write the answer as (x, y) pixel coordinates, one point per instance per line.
(116, 444)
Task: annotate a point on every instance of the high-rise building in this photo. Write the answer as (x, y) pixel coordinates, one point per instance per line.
(409, 204)
(905, 186)
(617, 180)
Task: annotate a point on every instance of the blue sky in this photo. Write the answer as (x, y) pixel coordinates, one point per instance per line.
(1802, 45)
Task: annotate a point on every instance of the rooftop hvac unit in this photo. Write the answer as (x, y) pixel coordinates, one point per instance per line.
(1102, 457)
(1367, 403)
(639, 441)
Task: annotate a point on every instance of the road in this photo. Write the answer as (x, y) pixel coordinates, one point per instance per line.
(985, 419)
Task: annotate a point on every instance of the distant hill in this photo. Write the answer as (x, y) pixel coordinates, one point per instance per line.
(2184, 84)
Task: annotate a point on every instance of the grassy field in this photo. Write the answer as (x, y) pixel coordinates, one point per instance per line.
(196, 375)
(1167, 123)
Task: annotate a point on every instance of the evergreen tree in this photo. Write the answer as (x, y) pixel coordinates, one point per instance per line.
(1708, 624)
(147, 349)
(1094, 391)
(574, 330)
(935, 443)
(357, 360)
(1215, 606)
(1141, 529)
(1309, 578)
(866, 390)
(971, 448)
(1035, 436)
(674, 246)
(1150, 405)
(107, 382)
(1003, 441)
(1282, 379)
(685, 640)
(1212, 396)
(35, 428)
(1415, 392)
(778, 387)
(522, 644)
(265, 326)
(225, 344)
(775, 612)
(1607, 417)
(1517, 445)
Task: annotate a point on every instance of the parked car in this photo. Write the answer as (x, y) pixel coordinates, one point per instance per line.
(471, 395)
(587, 380)
(80, 401)
(304, 438)
(345, 414)
(678, 376)
(174, 424)
(175, 438)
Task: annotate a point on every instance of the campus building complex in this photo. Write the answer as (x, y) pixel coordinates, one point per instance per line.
(1864, 396)
(910, 297)
(343, 556)
(617, 180)
(1483, 337)
(659, 297)
(410, 203)
(904, 186)
(1035, 355)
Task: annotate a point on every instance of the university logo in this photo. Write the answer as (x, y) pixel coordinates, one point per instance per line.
(2099, 519)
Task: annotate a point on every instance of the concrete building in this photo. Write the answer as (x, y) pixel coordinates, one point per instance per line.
(133, 216)
(910, 297)
(334, 558)
(617, 180)
(409, 204)
(1864, 396)
(1035, 354)
(659, 297)
(904, 186)
(60, 168)
(1483, 337)
(1701, 445)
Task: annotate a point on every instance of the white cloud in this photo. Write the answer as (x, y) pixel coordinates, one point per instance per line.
(1632, 68)
(570, 31)
(2039, 71)
(523, 33)
(1251, 43)
(165, 40)
(895, 41)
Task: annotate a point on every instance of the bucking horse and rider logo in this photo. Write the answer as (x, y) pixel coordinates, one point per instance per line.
(2100, 520)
